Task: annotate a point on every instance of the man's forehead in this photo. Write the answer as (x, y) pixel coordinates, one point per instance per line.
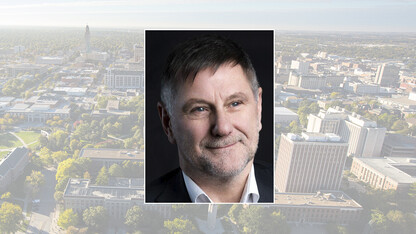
(208, 89)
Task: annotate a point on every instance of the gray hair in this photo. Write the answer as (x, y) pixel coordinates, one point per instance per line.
(197, 54)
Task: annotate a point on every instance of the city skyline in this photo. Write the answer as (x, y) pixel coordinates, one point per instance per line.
(315, 15)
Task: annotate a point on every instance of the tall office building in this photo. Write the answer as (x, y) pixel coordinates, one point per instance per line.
(87, 38)
(124, 79)
(365, 139)
(387, 75)
(306, 81)
(301, 67)
(311, 162)
(326, 121)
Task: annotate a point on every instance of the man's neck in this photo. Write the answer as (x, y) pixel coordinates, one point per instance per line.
(221, 189)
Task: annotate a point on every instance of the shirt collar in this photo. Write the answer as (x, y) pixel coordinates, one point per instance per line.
(250, 192)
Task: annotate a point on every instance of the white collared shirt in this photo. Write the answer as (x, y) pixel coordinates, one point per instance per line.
(197, 195)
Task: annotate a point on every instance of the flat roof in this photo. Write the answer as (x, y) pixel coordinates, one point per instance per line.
(11, 160)
(388, 167)
(332, 199)
(122, 154)
(397, 140)
(280, 110)
(401, 100)
(82, 188)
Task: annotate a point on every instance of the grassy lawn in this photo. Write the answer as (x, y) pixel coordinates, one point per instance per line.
(3, 154)
(8, 141)
(28, 136)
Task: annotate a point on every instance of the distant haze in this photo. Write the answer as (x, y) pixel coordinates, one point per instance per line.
(314, 15)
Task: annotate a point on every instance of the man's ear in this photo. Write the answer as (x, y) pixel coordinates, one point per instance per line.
(166, 122)
(259, 103)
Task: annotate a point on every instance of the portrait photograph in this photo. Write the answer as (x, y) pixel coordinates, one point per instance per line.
(209, 116)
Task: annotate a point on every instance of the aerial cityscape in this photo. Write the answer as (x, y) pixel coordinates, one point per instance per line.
(72, 117)
(72, 149)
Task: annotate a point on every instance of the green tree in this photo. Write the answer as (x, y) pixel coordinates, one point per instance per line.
(379, 220)
(10, 217)
(74, 144)
(61, 185)
(34, 181)
(135, 218)
(95, 217)
(6, 196)
(68, 218)
(58, 140)
(59, 196)
(251, 219)
(86, 175)
(400, 125)
(180, 226)
(133, 169)
(102, 177)
(294, 127)
(45, 156)
(59, 156)
(66, 168)
(234, 212)
(412, 191)
(335, 95)
(43, 140)
(116, 170)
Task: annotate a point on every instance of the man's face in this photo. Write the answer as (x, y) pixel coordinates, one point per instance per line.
(215, 122)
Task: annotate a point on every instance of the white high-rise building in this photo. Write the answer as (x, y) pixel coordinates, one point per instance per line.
(387, 75)
(301, 67)
(326, 121)
(311, 162)
(365, 139)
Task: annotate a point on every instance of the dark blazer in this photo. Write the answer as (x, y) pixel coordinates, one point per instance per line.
(171, 187)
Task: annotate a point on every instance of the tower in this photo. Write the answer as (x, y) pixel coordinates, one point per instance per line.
(87, 39)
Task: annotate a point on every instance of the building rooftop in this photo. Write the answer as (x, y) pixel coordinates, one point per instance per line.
(401, 141)
(105, 112)
(20, 106)
(393, 168)
(6, 99)
(401, 100)
(122, 154)
(126, 72)
(315, 137)
(11, 160)
(70, 89)
(333, 199)
(126, 189)
(279, 110)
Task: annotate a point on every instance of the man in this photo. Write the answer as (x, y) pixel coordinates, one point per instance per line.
(210, 107)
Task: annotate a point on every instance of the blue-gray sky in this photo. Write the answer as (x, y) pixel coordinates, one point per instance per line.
(327, 15)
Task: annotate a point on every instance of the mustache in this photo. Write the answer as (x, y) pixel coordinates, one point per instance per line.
(221, 142)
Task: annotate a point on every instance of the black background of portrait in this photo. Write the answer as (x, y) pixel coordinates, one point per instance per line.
(161, 156)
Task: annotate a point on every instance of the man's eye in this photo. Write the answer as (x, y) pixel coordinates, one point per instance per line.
(234, 104)
(198, 109)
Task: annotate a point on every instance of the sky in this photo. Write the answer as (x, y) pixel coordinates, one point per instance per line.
(311, 15)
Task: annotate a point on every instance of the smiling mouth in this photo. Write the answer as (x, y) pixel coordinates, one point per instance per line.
(222, 147)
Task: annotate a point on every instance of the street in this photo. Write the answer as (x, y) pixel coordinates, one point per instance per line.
(43, 212)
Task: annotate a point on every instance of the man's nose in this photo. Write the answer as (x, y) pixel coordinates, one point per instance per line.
(221, 124)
